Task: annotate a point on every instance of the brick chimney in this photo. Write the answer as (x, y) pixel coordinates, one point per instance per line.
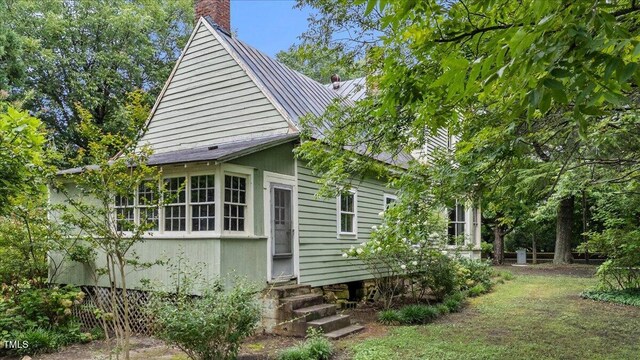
(218, 10)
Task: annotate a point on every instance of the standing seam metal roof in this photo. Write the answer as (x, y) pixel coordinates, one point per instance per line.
(297, 94)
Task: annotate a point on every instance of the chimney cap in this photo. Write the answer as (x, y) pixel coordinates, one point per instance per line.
(335, 80)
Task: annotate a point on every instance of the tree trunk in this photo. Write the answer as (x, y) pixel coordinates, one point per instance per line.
(534, 260)
(562, 254)
(498, 245)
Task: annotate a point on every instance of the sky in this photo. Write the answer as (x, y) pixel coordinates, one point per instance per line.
(268, 25)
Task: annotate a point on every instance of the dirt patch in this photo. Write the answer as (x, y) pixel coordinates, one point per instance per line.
(577, 270)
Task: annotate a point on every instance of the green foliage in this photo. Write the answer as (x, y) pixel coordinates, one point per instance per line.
(21, 150)
(617, 212)
(41, 316)
(389, 317)
(405, 251)
(506, 275)
(477, 290)
(94, 54)
(626, 296)
(315, 347)
(90, 209)
(211, 325)
(472, 272)
(418, 314)
(12, 67)
(319, 63)
(454, 302)
(28, 305)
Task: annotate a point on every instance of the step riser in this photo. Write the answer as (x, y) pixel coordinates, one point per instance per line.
(289, 291)
(290, 305)
(316, 314)
(339, 334)
(332, 325)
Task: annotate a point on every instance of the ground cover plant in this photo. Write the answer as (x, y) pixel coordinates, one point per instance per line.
(315, 347)
(39, 316)
(626, 296)
(519, 319)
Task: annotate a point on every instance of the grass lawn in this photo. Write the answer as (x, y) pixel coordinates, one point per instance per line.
(535, 316)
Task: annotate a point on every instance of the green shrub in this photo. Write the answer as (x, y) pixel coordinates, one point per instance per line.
(477, 290)
(473, 272)
(25, 306)
(454, 301)
(316, 347)
(626, 297)
(210, 326)
(440, 276)
(506, 275)
(442, 309)
(418, 314)
(38, 340)
(389, 317)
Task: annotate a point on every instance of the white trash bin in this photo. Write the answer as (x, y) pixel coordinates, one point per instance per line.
(521, 256)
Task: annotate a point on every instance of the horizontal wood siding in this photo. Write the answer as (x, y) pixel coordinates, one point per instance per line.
(437, 142)
(321, 261)
(210, 99)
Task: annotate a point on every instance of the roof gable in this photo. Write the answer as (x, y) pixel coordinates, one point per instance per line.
(209, 98)
(294, 92)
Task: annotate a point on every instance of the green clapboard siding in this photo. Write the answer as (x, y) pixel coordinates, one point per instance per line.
(209, 100)
(246, 258)
(321, 261)
(203, 254)
(278, 159)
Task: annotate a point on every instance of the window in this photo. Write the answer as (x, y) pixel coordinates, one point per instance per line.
(389, 200)
(147, 204)
(456, 223)
(125, 212)
(235, 202)
(203, 208)
(175, 213)
(347, 213)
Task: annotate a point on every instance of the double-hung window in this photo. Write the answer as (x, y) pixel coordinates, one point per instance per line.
(147, 204)
(456, 223)
(389, 200)
(235, 202)
(175, 209)
(347, 218)
(125, 212)
(203, 206)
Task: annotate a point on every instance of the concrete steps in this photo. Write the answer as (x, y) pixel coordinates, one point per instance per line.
(301, 309)
(346, 331)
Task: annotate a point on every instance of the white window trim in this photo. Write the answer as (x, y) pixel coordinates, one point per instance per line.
(218, 172)
(384, 200)
(341, 234)
(246, 172)
(464, 222)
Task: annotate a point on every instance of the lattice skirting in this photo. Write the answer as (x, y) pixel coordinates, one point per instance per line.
(139, 319)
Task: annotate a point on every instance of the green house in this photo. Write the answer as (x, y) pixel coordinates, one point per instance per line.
(224, 127)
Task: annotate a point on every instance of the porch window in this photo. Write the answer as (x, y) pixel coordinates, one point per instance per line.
(125, 212)
(347, 213)
(235, 202)
(456, 223)
(147, 207)
(203, 209)
(389, 200)
(175, 212)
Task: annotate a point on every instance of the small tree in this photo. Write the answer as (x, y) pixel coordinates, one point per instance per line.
(407, 246)
(210, 325)
(109, 229)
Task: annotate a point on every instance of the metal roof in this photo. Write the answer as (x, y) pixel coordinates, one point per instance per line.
(297, 94)
(354, 89)
(214, 152)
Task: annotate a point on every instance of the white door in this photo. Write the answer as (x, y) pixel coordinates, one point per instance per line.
(282, 232)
